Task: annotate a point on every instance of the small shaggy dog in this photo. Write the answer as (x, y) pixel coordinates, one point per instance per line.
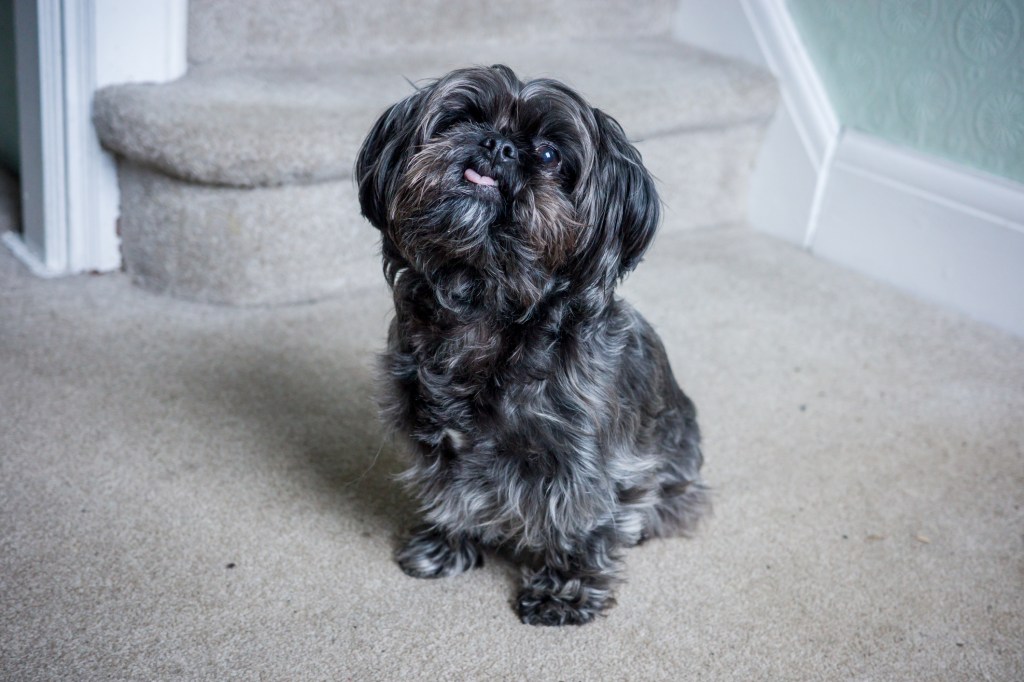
(541, 410)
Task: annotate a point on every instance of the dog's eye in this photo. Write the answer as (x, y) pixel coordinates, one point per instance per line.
(549, 156)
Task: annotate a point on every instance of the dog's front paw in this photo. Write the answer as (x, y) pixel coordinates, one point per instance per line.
(430, 553)
(547, 599)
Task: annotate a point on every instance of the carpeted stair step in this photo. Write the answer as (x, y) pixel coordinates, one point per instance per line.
(237, 179)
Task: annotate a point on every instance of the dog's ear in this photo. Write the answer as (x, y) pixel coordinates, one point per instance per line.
(622, 203)
(383, 152)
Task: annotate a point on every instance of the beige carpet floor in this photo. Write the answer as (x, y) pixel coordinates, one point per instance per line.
(202, 493)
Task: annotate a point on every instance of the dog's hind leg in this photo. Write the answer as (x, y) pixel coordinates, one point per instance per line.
(684, 503)
(684, 499)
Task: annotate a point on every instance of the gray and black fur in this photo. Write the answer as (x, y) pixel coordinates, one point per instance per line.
(541, 410)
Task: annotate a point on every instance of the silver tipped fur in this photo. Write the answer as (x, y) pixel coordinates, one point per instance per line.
(541, 412)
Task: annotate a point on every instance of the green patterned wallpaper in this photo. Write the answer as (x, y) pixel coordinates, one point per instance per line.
(944, 77)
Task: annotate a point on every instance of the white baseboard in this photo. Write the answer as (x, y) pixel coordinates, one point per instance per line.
(943, 232)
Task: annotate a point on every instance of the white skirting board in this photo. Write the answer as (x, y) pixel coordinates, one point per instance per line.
(943, 232)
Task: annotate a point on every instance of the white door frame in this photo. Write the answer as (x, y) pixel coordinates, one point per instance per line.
(66, 49)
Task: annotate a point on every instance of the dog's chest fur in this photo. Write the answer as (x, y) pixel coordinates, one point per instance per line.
(512, 435)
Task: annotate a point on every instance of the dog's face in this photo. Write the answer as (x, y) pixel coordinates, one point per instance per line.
(524, 182)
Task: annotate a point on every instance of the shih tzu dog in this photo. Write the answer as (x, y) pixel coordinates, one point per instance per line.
(542, 414)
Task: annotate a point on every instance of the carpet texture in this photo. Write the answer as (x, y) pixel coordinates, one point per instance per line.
(200, 492)
(271, 124)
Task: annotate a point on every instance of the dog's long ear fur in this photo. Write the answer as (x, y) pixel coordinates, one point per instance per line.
(384, 151)
(622, 202)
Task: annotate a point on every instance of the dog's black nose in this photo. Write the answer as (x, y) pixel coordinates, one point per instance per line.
(502, 150)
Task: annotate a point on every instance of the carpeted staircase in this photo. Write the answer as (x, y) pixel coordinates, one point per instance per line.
(236, 179)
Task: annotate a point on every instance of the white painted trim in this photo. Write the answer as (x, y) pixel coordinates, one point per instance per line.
(824, 174)
(788, 184)
(809, 110)
(802, 91)
(945, 233)
(41, 131)
(91, 230)
(66, 49)
(996, 200)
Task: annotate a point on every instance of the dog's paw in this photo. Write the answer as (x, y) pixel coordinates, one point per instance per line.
(570, 602)
(429, 553)
(546, 609)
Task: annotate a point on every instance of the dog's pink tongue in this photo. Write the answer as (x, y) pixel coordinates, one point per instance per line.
(478, 179)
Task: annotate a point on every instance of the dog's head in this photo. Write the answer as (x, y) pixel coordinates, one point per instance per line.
(483, 172)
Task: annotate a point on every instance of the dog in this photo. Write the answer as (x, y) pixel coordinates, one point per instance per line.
(542, 415)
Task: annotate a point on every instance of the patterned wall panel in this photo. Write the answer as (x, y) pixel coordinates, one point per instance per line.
(944, 77)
